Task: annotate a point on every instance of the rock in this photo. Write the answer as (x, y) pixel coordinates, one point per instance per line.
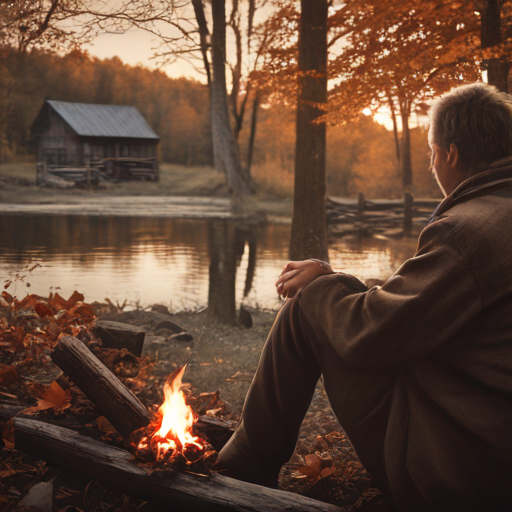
(160, 308)
(38, 498)
(171, 326)
(245, 318)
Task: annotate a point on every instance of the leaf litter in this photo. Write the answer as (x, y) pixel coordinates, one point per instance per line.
(324, 465)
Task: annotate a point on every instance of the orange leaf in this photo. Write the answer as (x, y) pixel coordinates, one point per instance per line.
(8, 435)
(8, 375)
(83, 309)
(53, 397)
(308, 471)
(75, 297)
(58, 302)
(7, 297)
(314, 462)
(325, 472)
(105, 426)
(26, 302)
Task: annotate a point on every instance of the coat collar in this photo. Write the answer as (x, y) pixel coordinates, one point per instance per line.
(495, 177)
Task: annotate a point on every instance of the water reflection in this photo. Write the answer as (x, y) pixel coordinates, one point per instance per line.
(180, 263)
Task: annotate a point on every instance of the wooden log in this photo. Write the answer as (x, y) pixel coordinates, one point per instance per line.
(115, 401)
(179, 491)
(120, 335)
(8, 411)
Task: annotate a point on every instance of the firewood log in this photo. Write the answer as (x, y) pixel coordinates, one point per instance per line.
(120, 335)
(116, 402)
(179, 491)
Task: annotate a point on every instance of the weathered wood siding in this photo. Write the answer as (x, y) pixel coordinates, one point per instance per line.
(58, 144)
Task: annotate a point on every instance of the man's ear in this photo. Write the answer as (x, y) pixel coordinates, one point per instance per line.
(453, 156)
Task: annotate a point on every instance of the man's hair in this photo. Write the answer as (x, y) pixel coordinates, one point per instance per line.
(477, 118)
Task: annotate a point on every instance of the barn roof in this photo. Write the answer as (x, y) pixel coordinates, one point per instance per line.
(90, 120)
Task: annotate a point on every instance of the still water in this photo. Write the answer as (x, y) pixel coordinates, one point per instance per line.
(168, 261)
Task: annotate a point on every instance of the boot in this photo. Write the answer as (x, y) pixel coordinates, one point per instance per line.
(237, 460)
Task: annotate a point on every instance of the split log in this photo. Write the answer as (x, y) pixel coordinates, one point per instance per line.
(115, 401)
(8, 411)
(115, 468)
(120, 335)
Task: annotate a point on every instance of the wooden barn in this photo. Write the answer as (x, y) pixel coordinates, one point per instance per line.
(75, 135)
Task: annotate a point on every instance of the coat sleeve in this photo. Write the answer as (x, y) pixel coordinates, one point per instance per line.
(423, 305)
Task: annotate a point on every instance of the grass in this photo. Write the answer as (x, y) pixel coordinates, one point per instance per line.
(17, 185)
(175, 180)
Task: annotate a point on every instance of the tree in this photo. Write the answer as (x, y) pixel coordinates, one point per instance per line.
(27, 24)
(184, 31)
(309, 227)
(226, 152)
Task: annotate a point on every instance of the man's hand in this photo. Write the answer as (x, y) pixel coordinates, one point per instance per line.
(297, 274)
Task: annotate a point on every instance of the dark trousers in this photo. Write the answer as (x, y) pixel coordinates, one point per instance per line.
(292, 361)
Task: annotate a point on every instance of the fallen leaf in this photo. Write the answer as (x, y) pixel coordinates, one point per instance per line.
(325, 472)
(42, 310)
(7, 297)
(6, 469)
(8, 375)
(58, 302)
(53, 397)
(83, 309)
(75, 297)
(8, 435)
(241, 377)
(105, 426)
(308, 472)
(314, 461)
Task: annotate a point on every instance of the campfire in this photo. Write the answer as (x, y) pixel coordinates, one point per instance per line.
(170, 434)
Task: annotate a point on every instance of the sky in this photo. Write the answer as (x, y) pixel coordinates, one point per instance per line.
(136, 47)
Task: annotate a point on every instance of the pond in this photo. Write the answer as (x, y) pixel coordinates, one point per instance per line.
(147, 260)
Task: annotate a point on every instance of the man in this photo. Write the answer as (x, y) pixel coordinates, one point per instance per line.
(419, 370)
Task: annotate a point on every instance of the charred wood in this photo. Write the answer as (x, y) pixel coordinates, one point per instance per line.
(117, 403)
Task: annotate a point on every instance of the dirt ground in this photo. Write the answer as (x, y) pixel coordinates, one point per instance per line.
(225, 358)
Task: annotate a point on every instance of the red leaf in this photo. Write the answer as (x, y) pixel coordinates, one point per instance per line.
(7, 297)
(42, 310)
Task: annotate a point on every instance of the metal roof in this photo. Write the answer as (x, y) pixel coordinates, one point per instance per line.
(90, 120)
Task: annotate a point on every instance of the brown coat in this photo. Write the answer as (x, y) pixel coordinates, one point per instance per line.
(443, 322)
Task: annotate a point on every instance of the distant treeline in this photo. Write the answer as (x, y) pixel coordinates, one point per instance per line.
(360, 157)
(177, 109)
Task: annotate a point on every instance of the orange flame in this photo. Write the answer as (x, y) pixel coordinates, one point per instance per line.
(177, 419)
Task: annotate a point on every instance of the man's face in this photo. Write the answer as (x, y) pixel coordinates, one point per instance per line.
(447, 168)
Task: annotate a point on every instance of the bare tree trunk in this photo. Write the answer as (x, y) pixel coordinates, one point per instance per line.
(406, 164)
(252, 136)
(226, 153)
(497, 68)
(203, 36)
(309, 230)
(395, 128)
